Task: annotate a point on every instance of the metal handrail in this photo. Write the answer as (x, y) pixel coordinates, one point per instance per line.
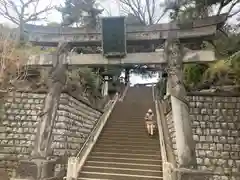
(153, 93)
(159, 113)
(91, 134)
(124, 92)
(99, 121)
(107, 105)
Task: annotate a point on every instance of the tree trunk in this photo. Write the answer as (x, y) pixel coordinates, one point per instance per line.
(20, 37)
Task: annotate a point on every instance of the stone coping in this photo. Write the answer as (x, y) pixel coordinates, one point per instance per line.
(79, 98)
(73, 94)
(204, 172)
(219, 94)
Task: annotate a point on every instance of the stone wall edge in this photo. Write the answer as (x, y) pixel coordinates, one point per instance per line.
(220, 94)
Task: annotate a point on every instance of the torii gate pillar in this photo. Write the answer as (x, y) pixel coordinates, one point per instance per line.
(180, 111)
(168, 87)
(105, 86)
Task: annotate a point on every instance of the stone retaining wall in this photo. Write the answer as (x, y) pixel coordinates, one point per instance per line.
(216, 129)
(172, 133)
(75, 120)
(18, 126)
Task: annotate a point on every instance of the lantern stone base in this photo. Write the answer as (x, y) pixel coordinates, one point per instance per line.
(36, 169)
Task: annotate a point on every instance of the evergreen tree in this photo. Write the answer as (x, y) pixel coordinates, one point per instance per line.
(80, 13)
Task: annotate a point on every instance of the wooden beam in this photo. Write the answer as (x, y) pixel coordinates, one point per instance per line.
(133, 58)
(45, 35)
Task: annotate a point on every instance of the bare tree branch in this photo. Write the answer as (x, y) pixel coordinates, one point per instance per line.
(14, 7)
(4, 11)
(131, 7)
(231, 8)
(35, 16)
(220, 7)
(233, 14)
(22, 11)
(146, 11)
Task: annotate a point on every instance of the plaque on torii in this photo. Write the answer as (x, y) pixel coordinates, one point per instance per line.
(115, 35)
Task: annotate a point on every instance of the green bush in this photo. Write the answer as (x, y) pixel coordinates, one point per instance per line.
(193, 74)
(235, 65)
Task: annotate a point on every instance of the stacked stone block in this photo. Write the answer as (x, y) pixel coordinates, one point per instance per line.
(216, 130)
(18, 126)
(172, 132)
(75, 120)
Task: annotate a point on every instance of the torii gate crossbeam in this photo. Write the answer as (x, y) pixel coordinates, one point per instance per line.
(131, 58)
(45, 35)
(50, 36)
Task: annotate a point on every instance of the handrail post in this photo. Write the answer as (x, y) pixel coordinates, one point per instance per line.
(72, 168)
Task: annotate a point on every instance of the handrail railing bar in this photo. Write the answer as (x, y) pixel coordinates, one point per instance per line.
(93, 130)
(153, 93)
(124, 92)
(160, 132)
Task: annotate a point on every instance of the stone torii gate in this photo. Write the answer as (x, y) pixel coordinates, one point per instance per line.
(115, 52)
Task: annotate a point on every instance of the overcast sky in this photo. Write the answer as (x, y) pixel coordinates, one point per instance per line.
(111, 8)
(110, 5)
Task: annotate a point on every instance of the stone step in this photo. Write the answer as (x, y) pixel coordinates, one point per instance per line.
(126, 160)
(135, 132)
(138, 138)
(127, 140)
(116, 170)
(128, 121)
(117, 176)
(130, 115)
(123, 165)
(124, 151)
(129, 146)
(129, 137)
(146, 142)
(90, 179)
(126, 125)
(142, 135)
(126, 155)
(125, 128)
(131, 123)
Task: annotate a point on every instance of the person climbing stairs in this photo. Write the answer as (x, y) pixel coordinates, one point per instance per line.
(124, 151)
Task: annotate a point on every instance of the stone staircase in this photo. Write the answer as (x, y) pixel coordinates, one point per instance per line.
(124, 151)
